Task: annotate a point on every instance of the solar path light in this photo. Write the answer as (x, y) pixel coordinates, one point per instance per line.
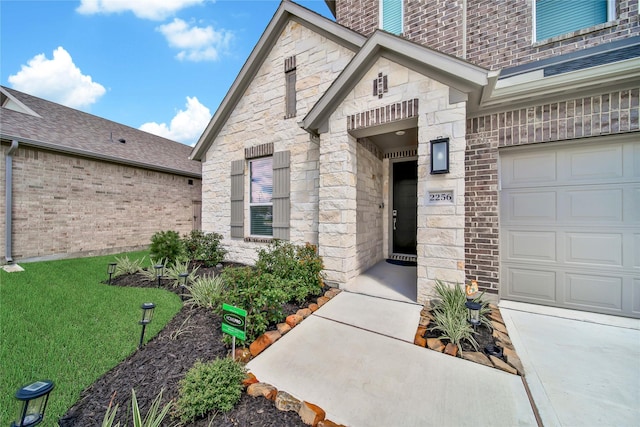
(34, 398)
(159, 272)
(111, 270)
(183, 285)
(147, 315)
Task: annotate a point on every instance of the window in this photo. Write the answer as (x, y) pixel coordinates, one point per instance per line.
(268, 205)
(556, 17)
(261, 192)
(391, 16)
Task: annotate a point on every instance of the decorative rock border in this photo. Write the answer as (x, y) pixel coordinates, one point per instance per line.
(309, 413)
(511, 362)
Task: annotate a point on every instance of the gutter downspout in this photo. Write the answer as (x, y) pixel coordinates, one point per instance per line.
(9, 200)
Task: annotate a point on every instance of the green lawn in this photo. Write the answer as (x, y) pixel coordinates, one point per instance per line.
(59, 322)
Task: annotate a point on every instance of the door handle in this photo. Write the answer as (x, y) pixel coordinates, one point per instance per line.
(394, 223)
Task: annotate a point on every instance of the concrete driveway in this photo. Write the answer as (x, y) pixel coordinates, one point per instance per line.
(582, 369)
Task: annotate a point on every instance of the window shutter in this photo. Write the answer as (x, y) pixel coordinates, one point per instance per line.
(556, 17)
(281, 191)
(237, 198)
(392, 16)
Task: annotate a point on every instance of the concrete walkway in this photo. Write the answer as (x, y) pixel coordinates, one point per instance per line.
(580, 372)
(355, 358)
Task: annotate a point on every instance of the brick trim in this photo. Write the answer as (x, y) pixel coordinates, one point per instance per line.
(259, 151)
(382, 115)
(609, 113)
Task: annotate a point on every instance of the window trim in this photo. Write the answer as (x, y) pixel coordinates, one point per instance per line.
(611, 16)
(381, 16)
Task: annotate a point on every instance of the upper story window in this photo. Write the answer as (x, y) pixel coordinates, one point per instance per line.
(260, 203)
(557, 17)
(392, 16)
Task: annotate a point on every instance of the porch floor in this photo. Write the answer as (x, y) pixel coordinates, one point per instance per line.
(385, 280)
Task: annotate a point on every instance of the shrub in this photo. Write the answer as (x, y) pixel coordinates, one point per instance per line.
(261, 294)
(211, 386)
(127, 266)
(168, 246)
(299, 267)
(207, 292)
(204, 247)
(173, 272)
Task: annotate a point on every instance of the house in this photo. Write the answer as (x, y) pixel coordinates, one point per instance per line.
(75, 184)
(495, 141)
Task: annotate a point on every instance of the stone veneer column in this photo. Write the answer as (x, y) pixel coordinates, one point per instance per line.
(337, 206)
(440, 225)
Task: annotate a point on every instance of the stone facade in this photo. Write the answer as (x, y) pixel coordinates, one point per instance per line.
(259, 118)
(70, 206)
(440, 239)
(498, 34)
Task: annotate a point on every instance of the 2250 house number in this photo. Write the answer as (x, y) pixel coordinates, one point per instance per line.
(445, 196)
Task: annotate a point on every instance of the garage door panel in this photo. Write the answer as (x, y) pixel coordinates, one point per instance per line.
(595, 205)
(602, 292)
(524, 170)
(529, 206)
(594, 249)
(574, 240)
(531, 245)
(532, 284)
(594, 163)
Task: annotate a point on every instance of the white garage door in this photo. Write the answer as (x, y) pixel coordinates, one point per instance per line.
(570, 225)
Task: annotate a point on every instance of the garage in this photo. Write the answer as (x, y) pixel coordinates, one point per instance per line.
(570, 225)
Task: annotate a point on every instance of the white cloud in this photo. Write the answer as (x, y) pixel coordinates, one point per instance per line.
(156, 10)
(58, 80)
(196, 43)
(186, 126)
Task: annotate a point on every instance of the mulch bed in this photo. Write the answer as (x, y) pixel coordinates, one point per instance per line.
(194, 333)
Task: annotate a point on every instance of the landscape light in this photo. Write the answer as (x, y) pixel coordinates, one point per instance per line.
(147, 315)
(473, 313)
(159, 272)
(34, 398)
(111, 270)
(183, 286)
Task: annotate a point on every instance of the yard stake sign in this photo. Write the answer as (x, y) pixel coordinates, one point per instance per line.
(234, 323)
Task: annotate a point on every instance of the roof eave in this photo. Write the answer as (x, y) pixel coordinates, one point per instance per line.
(97, 156)
(286, 11)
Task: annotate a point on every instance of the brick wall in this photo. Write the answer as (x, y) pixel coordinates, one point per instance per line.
(499, 32)
(605, 114)
(65, 205)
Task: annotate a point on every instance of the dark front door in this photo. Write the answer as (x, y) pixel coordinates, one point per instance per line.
(405, 207)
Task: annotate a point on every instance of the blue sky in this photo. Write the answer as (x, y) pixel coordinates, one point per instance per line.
(162, 66)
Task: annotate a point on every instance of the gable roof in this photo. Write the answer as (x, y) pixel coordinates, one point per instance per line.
(466, 79)
(40, 123)
(286, 11)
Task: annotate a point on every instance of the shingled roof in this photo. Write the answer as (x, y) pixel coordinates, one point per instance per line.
(36, 122)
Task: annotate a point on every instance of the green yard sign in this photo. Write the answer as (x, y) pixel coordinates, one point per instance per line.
(234, 321)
